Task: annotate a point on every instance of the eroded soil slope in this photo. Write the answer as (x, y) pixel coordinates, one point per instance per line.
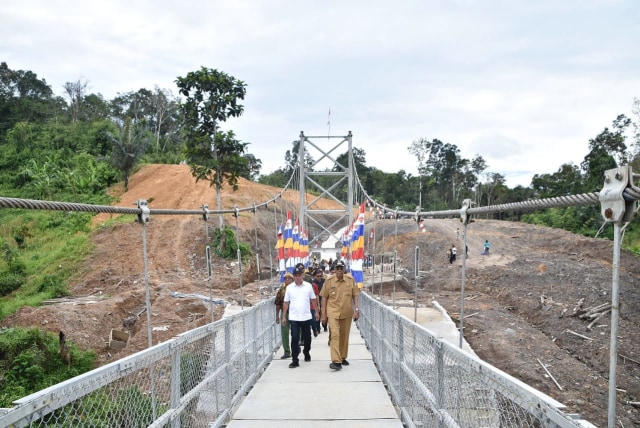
(522, 304)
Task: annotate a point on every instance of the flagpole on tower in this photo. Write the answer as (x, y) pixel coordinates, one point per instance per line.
(329, 123)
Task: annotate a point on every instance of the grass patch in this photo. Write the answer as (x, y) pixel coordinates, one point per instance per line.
(47, 248)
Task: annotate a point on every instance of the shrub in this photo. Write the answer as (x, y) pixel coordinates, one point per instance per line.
(226, 247)
(10, 281)
(31, 362)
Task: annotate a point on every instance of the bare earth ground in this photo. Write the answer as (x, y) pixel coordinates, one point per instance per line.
(522, 300)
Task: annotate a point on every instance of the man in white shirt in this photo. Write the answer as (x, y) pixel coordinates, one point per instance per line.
(298, 300)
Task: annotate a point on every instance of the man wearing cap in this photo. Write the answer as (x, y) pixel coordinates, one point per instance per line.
(284, 327)
(339, 301)
(299, 298)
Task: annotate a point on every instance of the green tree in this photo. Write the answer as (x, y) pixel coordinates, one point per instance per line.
(254, 165)
(292, 159)
(606, 151)
(441, 164)
(212, 96)
(277, 178)
(128, 148)
(24, 98)
(219, 162)
(76, 91)
(94, 108)
(566, 181)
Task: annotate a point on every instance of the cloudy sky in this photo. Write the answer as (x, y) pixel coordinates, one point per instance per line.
(523, 83)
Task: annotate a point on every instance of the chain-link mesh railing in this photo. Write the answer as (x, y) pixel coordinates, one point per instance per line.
(435, 384)
(191, 381)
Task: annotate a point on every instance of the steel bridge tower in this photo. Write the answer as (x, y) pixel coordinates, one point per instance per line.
(338, 173)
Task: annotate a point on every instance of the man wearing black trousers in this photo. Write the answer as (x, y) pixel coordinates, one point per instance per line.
(298, 300)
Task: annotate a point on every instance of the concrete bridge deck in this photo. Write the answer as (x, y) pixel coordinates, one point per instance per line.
(313, 395)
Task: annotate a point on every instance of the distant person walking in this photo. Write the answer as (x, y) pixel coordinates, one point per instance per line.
(457, 234)
(452, 254)
(339, 307)
(486, 247)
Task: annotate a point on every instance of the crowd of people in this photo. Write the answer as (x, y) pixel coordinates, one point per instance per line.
(313, 300)
(323, 298)
(452, 253)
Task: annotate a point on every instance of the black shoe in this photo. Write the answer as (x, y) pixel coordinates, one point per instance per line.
(307, 358)
(285, 356)
(315, 334)
(345, 362)
(294, 364)
(335, 366)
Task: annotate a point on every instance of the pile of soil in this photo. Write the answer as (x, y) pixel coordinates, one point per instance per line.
(523, 301)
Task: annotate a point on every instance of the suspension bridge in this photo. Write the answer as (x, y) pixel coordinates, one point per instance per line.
(404, 373)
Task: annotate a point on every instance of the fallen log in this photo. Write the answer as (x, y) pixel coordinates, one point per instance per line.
(592, 312)
(624, 358)
(550, 375)
(578, 335)
(590, 326)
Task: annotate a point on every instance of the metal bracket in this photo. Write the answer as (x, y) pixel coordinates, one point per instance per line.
(613, 206)
(464, 218)
(143, 216)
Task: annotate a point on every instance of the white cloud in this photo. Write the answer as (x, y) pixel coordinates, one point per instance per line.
(523, 84)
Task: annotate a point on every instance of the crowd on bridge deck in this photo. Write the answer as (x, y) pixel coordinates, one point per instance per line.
(319, 298)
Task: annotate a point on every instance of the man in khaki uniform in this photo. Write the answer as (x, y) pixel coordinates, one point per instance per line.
(339, 301)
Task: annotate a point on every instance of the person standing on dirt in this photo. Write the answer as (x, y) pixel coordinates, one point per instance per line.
(284, 327)
(339, 307)
(452, 254)
(486, 247)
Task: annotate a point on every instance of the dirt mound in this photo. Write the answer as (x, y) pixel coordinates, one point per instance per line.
(523, 302)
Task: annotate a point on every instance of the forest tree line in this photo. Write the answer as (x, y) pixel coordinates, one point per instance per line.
(73, 146)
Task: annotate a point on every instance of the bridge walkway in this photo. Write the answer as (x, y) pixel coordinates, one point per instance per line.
(313, 395)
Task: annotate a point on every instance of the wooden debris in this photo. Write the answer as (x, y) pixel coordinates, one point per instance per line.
(625, 358)
(81, 300)
(590, 326)
(550, 375)
(578, 306)
(593, 312)
(470, 315)
(578, 334)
